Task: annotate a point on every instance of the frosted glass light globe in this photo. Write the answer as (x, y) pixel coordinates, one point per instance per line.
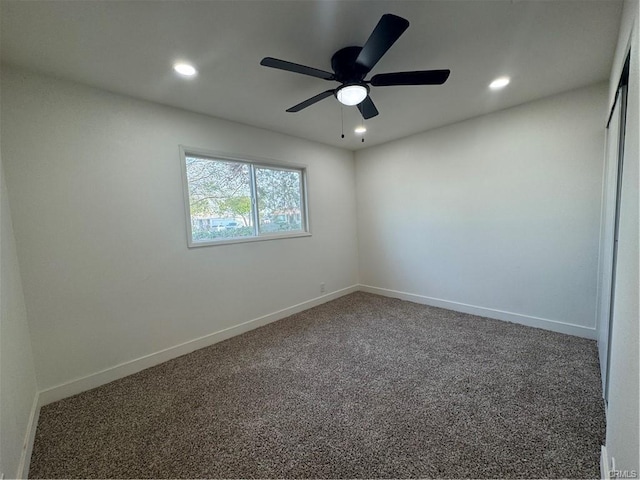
(351, 94)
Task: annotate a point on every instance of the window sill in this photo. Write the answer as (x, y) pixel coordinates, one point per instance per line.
(231, 241)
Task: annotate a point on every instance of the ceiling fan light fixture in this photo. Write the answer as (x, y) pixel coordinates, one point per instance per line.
(360, 130)
(352, 94)
(352, 64)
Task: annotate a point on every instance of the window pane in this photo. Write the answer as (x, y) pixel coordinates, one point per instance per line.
(219, 199)
(279, 200)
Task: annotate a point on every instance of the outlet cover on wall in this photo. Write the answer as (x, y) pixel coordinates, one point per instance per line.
(323, 288)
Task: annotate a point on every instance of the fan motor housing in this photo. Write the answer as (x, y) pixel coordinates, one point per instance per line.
(344, 65)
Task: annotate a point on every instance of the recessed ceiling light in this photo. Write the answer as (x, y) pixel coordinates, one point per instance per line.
(360, 129)
(499, 83)
(185, 69)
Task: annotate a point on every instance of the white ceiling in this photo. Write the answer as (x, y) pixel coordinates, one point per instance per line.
(546, 47)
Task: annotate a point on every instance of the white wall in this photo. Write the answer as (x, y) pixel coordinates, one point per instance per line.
(17, 373)
(622, 411)
(497, 215)
(96, 195)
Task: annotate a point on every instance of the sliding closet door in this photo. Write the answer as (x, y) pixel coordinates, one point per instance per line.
(614, 163)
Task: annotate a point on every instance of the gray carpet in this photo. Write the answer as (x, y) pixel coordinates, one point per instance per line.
(361, 387)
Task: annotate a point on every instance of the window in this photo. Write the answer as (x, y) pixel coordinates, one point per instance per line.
(232, 200)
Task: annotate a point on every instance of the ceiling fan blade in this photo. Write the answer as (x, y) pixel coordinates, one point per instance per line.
(424, 77)
(296, 68)
(387, 31)
(311, 101)
(367, 108)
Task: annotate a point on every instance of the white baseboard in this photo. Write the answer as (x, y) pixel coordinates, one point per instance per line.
(116, 372)
(30, 435)
(604, 464)
(546, 324)
(122, 370)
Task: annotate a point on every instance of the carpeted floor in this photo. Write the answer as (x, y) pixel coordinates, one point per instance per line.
(361, 387)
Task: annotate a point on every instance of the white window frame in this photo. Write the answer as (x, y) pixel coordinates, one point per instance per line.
(253, 162)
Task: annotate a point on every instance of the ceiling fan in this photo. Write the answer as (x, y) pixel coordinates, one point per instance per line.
(351, 64)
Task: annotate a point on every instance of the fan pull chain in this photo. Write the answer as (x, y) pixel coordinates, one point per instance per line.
(342, 119)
